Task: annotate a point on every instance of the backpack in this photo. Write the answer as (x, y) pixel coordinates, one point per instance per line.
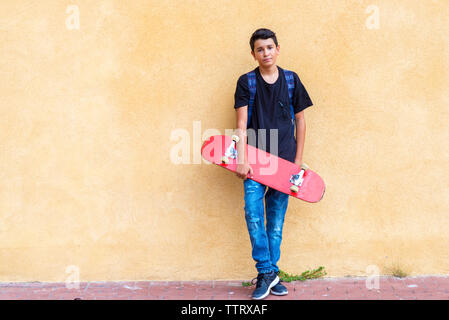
(252, 92)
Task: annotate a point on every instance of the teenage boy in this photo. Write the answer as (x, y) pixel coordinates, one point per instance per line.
(263, 102)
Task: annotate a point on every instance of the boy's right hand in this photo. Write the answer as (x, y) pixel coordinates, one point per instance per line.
(242, 171)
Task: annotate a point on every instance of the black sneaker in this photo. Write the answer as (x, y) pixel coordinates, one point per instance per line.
(265, 281)
(279, 289)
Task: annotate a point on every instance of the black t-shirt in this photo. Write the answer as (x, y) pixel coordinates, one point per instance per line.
(271, 110)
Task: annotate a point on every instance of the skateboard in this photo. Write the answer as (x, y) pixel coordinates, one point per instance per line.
(285, 176)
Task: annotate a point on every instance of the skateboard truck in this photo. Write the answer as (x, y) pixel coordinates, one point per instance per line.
(297, 179)
(231, 151)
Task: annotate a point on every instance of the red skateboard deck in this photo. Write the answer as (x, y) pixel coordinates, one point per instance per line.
(268, 169)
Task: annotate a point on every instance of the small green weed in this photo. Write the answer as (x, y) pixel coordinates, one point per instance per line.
(398, 272)
(306, 275)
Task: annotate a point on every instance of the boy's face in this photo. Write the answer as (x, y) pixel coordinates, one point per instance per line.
(265, 52)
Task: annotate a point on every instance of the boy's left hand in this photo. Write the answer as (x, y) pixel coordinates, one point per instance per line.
(298, 162)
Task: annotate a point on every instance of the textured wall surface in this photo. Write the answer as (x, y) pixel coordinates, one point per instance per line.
(91, 118)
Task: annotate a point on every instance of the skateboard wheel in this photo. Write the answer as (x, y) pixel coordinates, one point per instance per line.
(305, 167)
(235, 138)
(225, 160)
(294, 188)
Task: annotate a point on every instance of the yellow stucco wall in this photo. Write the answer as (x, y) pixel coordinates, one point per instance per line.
(90, 117)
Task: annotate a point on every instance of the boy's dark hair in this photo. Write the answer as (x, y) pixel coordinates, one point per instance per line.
(262, 34)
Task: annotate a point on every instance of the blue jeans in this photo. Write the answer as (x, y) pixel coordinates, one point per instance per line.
(266, 243)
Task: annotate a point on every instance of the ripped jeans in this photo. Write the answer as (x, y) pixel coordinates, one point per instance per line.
(265, 242)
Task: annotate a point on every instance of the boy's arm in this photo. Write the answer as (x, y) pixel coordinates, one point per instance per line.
(300, 136)
(242, 119)
(243, 168)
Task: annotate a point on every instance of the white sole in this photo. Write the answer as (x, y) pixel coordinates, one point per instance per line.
(275, 282)
(279, 294)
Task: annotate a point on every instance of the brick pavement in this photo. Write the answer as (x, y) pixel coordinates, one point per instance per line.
(390, 288)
